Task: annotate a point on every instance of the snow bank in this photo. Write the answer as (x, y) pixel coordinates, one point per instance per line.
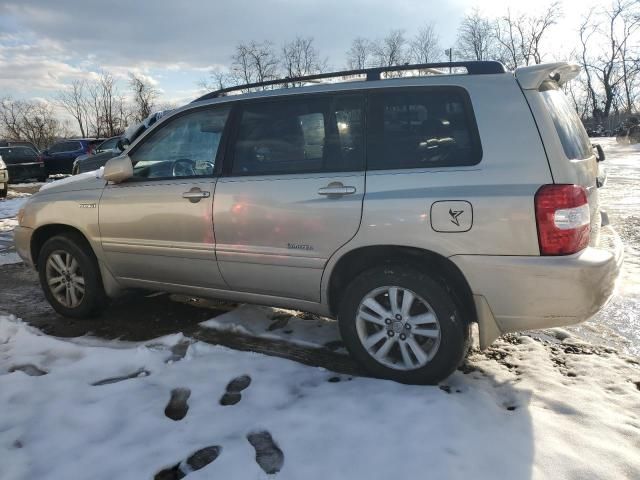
(525, 409)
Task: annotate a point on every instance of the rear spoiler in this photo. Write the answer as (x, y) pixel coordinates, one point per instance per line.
(533, 76)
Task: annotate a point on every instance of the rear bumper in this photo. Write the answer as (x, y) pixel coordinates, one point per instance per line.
(24, 171)
(58, 165)
(526, 293)
(22, 240)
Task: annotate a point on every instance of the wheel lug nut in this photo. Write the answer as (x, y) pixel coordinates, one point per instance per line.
(403, 336)
(387, 321)
(391, 333)
(407, 326)
(398, 317)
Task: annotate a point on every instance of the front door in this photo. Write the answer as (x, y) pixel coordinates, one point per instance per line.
(157, 227)
(293, 193)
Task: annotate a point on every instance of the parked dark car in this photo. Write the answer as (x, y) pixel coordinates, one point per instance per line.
(19, 143)
(87, 163)
(59, 157)
(23, 163)
(102, 153)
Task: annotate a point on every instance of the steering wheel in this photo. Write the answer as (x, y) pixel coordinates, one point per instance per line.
(187, 164)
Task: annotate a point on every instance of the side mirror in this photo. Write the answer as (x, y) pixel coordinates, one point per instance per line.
(118, 169)
(599, 153)
(123, 144)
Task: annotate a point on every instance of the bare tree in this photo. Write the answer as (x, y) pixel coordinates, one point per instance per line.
(476, 39)
(254, 62)
(608, 39)
(425, 46)
(359, 55)
(391, 50)
(108, 110)
(300, 57)
(30, 120)
(218, 79)
(144, 97)
(74, 101)
(520, 36)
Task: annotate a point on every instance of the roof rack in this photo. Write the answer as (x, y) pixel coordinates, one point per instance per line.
(372, 74)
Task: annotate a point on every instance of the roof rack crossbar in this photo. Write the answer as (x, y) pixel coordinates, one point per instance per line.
(372, 74)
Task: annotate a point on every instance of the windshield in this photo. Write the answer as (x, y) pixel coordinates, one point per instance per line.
(573, 136)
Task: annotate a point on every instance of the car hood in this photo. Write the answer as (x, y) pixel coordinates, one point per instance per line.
(83, 181)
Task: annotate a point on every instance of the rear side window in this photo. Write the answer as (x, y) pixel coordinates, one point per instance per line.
(300, 135)
(573, 136)
(422, 128)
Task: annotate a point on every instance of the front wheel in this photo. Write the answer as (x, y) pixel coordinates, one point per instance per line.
(70, 276)
(402, 325)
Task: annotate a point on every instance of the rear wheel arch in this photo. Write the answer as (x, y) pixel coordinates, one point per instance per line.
(440, 268)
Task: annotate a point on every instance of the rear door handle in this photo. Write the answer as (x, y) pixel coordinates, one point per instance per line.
(195, 195)
(336, 190)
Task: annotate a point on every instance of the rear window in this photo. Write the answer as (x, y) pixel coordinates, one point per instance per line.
(421, 128)
(573, 136)
(17, 154)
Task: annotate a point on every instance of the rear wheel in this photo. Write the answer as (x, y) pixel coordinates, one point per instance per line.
(402, 325)
(70, 276)
(3, 191)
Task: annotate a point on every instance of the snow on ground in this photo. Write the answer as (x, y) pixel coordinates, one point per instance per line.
(524, 410)
(619, 322)
(277, 323)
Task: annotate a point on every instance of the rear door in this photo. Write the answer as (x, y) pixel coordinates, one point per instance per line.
(292, 193)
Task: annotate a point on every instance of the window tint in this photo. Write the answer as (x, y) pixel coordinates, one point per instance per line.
(300, 135)
(108, 144)
(185, 147)
(419, 129)
(573, 136)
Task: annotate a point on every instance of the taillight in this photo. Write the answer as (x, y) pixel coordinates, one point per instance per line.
(563, 219)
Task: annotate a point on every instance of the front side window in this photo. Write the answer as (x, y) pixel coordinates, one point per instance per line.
(186, 146)
(107, 145)
(573, 136)
(420, 129)
(300, 135)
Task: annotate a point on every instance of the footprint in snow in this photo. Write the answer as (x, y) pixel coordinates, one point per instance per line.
(268, 455)
(194, 462)
(235, 386)
(29, 369)
(178, 407)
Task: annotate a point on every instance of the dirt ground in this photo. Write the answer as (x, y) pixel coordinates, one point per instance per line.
(141, 316)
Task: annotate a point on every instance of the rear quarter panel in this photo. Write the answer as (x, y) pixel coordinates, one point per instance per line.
(501, 187)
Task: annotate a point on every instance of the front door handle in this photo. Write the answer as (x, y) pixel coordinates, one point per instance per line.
(336, 189)
(195, 195)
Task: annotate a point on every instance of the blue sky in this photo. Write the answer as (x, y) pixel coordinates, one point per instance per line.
(46, 44)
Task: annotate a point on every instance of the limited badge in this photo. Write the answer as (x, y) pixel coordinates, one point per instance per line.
(451, 216)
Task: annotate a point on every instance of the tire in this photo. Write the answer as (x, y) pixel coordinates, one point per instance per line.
(444, 353)
(42, 179)
(3, 192)
(55, 262)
